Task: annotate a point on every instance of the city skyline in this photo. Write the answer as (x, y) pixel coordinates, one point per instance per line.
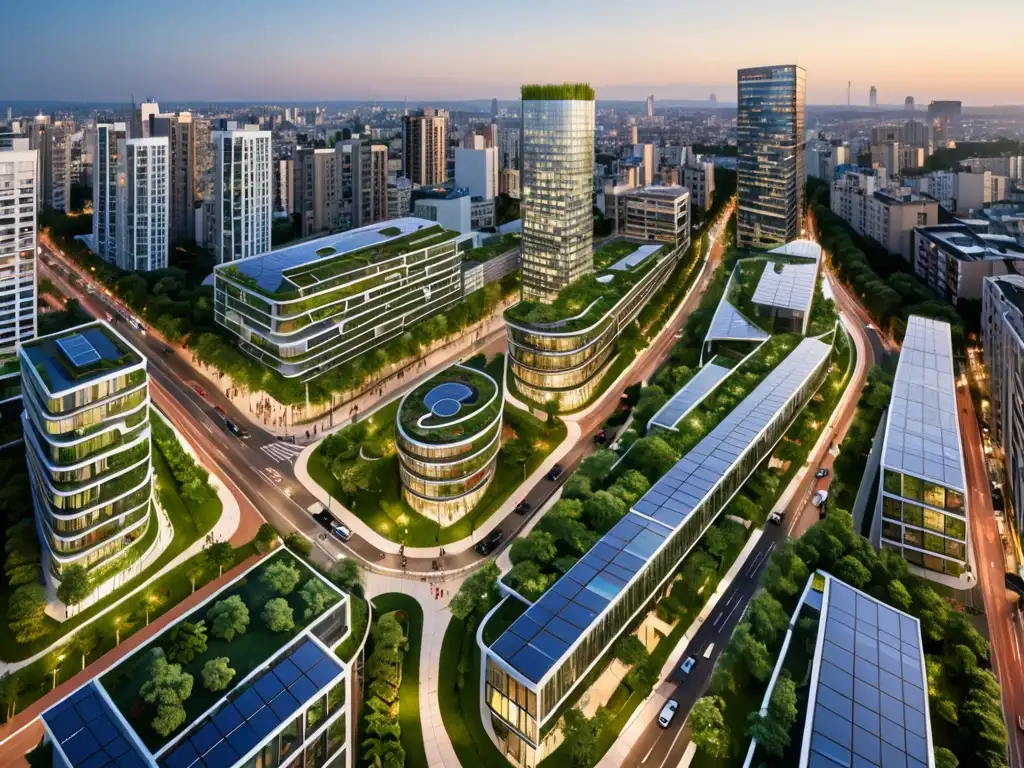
(212, 66)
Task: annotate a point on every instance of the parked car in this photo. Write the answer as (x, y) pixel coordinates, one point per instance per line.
(523, 507)
(491, 543)
(668, 712)
(688, 665)
(237, 431)
(199, 390)
(555, 473)
(341, 532)
(601, 437)
(777, 517)
(820, 497)
(326, 519)
(823, 472)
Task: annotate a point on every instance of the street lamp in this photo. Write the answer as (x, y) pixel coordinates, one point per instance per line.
(117, 631)
(59, 660)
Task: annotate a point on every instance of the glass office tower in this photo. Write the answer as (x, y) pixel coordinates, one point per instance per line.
(557, 187)
(770, 166)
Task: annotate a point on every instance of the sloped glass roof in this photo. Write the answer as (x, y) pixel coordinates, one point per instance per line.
(89, 733)
(787, 286)
(729, 324)
(692, 393)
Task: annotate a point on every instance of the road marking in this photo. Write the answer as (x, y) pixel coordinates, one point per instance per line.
(738, 604)
(279, 451)
(720, 615)
(673, 744)
(650, 750)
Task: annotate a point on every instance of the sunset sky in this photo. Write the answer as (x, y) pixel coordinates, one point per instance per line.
(107, 50)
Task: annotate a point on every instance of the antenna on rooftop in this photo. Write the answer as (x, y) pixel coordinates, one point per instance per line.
(848, 84)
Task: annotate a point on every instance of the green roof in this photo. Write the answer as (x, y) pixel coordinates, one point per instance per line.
(483, 406)
(558, 92)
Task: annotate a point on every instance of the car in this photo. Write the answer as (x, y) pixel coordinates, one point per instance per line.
(601, 437)
(237, 431)
(523, 507)
(555, 473)
(823, 472)
(166, 351)
(220, 409)
(777, 517)
(341, 532)
(326, 519)
(668, 712)
(820, 497)
(688, 665)
(199, 390)
(491, 543)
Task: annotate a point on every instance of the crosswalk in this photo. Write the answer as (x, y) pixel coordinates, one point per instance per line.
(282, 451)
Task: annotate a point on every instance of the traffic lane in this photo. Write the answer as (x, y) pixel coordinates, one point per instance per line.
(657, 746)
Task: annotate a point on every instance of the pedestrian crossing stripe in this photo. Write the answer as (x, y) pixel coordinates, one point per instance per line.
(281, 451)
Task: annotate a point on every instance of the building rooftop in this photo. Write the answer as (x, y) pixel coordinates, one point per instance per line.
(455, 403)
(79, 355)
(266, 273)
(967, 245)
(1012, 287)
(787, 286)
(901, 196)
(729, 324)
(88, 734)
(661, 192)
(800, 249)
(441, 193)
(922, 434)
(695, 390)
(868, 701)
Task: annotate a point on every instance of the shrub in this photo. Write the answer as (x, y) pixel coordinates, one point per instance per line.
(281, 576)
(277, 615)
(217, 673)
(317, 596)
(228, 617)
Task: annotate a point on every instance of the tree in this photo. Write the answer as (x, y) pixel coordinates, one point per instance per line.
(266, 538)
(945, 759)
(281, 576)
(652, 457)
(786, 574)
(597, 465)
(298, 544)
(11, 686)
(899, 597)
(527, 578)
(630, 650)
(767, 617)
(651, 400)
(168, 688)
(74, 584)
(195, 572)
(517, 452)
(697, 570)
(357, 477)
(772, 730)
(603, 510)
(629, 486)
(708, 726)
(26, 613)
(551, 409)
(220, 555)
(478, 592)
(84, 642)
(317, 596)
(228, 617)
(217, 673)
(577, 487)
(347, 575)
(278, 615)
(580, 736)
(187, 640)
(853, 572)
(538, 546)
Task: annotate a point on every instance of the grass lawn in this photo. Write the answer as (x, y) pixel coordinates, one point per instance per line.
(247, 652)
(409, 691)
(460, 709)
(386, 512)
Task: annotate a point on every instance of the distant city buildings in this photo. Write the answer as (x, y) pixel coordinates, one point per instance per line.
(873, 98)
(143, 197)
(699, 179)
(316, 189)
(477, 171)
(650, 105)
(509, 183)
(425, 146)
(243, 194)
(399, 198)
(104, 189)
(770, 155)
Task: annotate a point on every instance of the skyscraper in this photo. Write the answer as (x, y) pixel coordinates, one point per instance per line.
(143, 196)
(425, 146)
(557, 186)
(494, 110)
(19, 168)
(650, 105)
(873, 97)
(770, 155)
(181, 135)
(104, 189)
(363, 182)
(243, 194)
(908, 104)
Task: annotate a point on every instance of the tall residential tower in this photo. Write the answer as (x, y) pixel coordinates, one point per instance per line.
(19, 179)
(770, 166)
(143, 194)
(243, 194)
(104, 189)
(425, 147)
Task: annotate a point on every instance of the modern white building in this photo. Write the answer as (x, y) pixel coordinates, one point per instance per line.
(954, 259)
(243, 194)
(104, 189)
(451, 208)
(477, 171)
(143, 204)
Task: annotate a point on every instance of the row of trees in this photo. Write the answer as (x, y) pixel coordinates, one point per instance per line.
(193, 480)
(383, 747)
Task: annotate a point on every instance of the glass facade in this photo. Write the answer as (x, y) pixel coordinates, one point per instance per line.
(19, 187)
(557, 187)
(770, 155)
(924, 521)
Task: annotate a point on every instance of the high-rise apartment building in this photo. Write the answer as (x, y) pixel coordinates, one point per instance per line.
(650, 105)
(19, 178)
(243, 194)
(425, 146)
(509, 148)
(770, 150)
(202, 181)
(873, 98)
(557, 182)
(181, 135)
(104, 189)
(143, 198)
(284, 199)
(363, 182)
(58, 175)
(316, 189)
(477, 171)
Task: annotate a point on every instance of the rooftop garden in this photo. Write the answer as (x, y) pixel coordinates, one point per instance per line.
(557, 92)
(229, 636)
(51, 362)
(586, 292)
(482, 406)
(495, 247)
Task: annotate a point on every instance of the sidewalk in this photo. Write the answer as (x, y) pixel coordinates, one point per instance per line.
(356, 525)
(436, 743)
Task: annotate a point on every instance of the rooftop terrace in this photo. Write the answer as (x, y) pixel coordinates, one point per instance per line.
(968, 245)
(457, 401)
(79, 355)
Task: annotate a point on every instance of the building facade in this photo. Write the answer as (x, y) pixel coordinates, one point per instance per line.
(143, 198)
(509, 184)
(954, 259)
(362, 179)
(284, 200)
(770, 155)
(104, 190)
(243, 194)
(305, 309)
(661, 214)
(922, 495)
(699, 178)
(19, 177)
(425, 147)
(317, 189)
(888, 215)
(477, 171)
(87, 438)
(556, 187)
(399, 198)
(181, 137)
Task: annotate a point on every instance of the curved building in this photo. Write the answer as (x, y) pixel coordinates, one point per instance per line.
(87, 440)
(447, 435)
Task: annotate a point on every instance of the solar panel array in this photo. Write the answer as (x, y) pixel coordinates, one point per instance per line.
(870, 705)
(540, 637)
(692, 393)
(787, 286)
(730, 324)
(677, 494)
(922, 436)
(89, 733)
(636, 258)
(240, 724)
(804, 249)
(78, 349)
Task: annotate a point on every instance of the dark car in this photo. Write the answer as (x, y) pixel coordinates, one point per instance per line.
(823, 472)
(326, 519)
(491, 543)
(523, 507)
(166, 351)
(601, 437)
(237, 431)
(555, 473)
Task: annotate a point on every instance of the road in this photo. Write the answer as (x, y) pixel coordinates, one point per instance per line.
(260, 471)
(659, 747)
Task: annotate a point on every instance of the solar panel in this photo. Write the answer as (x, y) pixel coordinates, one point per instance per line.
(78, 349)
(89, 733)
(729, 324)
(923, 435)
(862, 719)
(226, 735)
(695, 390)
(804, 249)
(787, 286)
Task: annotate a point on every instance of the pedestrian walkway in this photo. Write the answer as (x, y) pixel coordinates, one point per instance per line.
(280, 451)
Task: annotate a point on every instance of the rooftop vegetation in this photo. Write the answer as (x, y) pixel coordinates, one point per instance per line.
(557, 92)
(414, 407)
(496, 247)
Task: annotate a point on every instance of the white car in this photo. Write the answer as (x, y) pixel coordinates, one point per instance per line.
(668, 712)
(819, 498)
(342, 532)
(687, 665)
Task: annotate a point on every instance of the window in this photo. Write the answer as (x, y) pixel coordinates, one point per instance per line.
(913, 514)
(954, 549)
(315, 714)
(953, 568)
(891, 531)
(956, 528)
(933, 563)
(934, 521)
(892, 483)
(913, 556)
(934, 543)
(913, 487)
(891, 508)
(934, 495)
(913, 537)
(954, 501)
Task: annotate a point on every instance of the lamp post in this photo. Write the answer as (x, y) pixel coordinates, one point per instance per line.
(59, 660)
(117, 631)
